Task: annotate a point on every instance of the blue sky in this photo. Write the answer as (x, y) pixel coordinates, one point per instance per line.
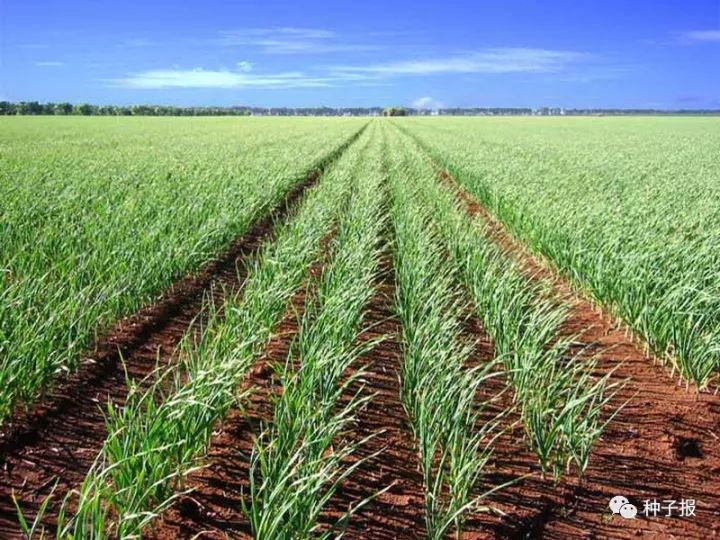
(631, 53)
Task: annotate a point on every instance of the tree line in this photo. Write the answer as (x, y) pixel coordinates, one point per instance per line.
(87, 109)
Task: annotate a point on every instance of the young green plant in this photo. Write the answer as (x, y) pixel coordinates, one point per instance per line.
(300, 458)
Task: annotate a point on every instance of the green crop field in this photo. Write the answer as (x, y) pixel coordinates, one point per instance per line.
(448, 326)
(100, 215)
(627, 208)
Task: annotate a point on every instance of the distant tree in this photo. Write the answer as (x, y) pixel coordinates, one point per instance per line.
(63, 108)
(394, 111)
(29, 107)
(85, 109)
(6, 107)
(141, 110)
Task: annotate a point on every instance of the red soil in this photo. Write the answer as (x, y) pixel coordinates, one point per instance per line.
(59, 438)
(663, 445)
(213, 510)
(397, 512)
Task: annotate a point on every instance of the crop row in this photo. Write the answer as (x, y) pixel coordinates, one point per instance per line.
(627, 208)
(437, 389)
(301, 457)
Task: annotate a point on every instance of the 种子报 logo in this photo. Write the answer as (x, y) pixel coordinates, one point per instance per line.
(620, 505)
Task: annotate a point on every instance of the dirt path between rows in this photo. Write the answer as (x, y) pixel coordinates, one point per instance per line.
(214, 508)
(62, 435)
(664, 445)
(398, 512)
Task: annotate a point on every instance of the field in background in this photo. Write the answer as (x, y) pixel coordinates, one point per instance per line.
(381, 326)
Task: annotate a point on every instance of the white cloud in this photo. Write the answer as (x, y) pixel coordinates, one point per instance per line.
(50, 64)
(202, 78)
(244, 66)
(427, 102)
(291, 40)
(702, 35)
(244, 75)
(499, 60)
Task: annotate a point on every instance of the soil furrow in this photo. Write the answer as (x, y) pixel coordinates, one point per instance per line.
(398, 512)
(662, 446)
(61, 436)
(214, 508)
